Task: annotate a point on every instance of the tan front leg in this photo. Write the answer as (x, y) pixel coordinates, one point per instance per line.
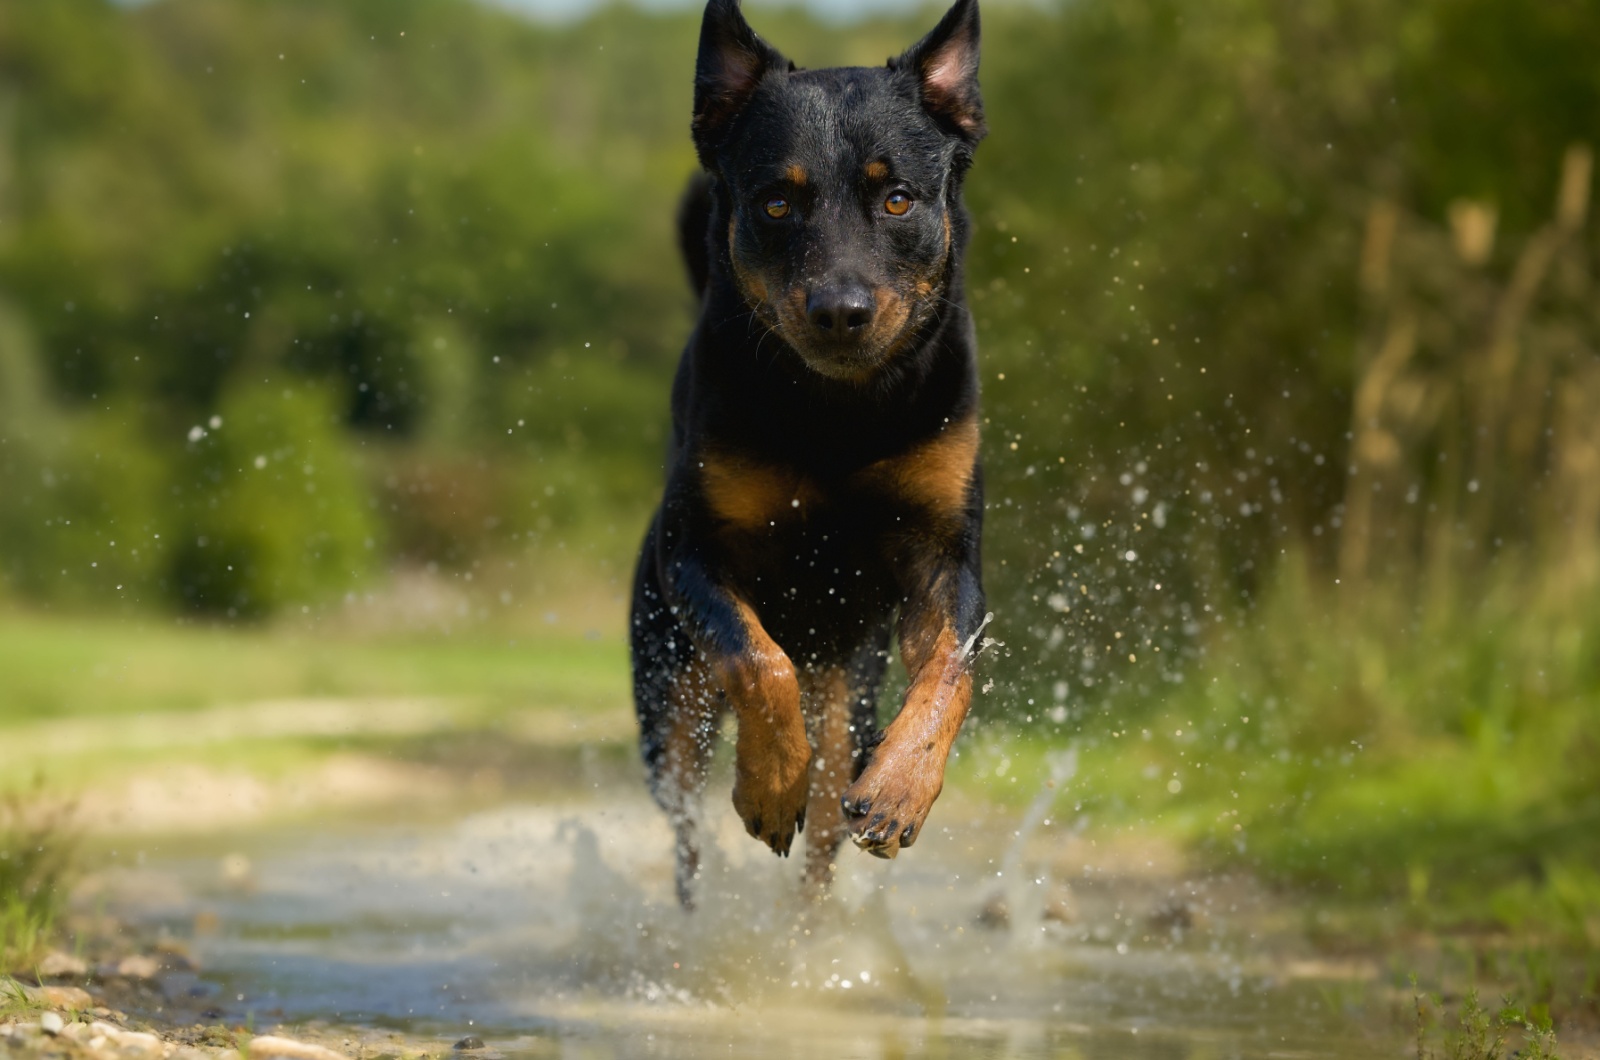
(887, 806)
(772, 756)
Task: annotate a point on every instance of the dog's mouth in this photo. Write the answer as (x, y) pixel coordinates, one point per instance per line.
(849, 335)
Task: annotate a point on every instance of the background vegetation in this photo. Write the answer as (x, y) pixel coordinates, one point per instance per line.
(1291, 352)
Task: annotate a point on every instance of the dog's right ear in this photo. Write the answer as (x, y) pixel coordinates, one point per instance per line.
(731, 64)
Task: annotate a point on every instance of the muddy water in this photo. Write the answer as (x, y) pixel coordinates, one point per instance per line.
(548, 928)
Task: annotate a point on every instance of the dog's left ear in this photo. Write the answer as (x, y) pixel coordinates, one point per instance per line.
(945, 64)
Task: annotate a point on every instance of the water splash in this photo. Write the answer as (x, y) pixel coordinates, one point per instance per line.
(1025, 893)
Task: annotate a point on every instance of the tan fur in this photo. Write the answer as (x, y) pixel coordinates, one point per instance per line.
(877, 171)
(889, 319)
(796, 174)
(936, 474)
(772, 756)
(748, 495)
(906, 774)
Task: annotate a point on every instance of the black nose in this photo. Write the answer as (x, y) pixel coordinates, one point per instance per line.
(842, 311)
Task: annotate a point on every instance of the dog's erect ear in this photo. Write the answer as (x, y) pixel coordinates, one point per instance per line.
(731, 64)
(945, 64)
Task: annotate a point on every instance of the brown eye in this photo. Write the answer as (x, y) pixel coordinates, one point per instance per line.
(777, 209)
(898, 203)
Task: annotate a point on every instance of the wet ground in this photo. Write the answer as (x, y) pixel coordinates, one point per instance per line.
(546, 926)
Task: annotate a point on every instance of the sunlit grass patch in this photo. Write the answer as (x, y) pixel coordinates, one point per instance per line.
(65, 666)
(37, 845)
(1471, 1031)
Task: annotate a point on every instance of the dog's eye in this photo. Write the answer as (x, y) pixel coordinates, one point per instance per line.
(777, 209)
(898, 203)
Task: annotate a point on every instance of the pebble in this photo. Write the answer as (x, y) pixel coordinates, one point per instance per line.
(1061, 908)
(271, 1047)
(471, 1041)
(139, 1043)
(56, 1036)
(73, 998)
(175, 956)
(138, 966)
(996, 912)
(58, 965)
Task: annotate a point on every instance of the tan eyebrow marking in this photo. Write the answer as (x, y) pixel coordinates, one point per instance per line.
(877, 171)
(796, 174)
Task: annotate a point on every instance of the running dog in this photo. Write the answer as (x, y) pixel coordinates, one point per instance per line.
(823, 487)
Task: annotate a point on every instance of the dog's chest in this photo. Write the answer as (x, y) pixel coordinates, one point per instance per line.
(824, 557)
(927, 482)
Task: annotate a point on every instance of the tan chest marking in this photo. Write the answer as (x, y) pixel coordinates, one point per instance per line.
(750, 495)
(935, 475)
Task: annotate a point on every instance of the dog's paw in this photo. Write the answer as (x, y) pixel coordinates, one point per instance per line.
(886, 807)
(770, 783)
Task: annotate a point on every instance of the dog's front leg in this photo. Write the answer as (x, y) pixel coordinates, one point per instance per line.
(772, 754)
(939, 626)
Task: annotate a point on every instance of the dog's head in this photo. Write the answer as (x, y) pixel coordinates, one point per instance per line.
(842, 186)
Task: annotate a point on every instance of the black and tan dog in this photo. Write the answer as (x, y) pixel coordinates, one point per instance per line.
(823, 481)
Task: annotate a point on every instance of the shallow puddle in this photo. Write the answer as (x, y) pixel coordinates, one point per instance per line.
(550, 930)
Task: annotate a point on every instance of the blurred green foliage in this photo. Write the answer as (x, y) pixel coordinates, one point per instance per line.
(444, 221)
(454, 226)
(278, 509)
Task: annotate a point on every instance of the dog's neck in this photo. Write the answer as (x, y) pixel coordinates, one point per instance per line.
(766, 390)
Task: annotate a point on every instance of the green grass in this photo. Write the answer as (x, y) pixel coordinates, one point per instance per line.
(37, 845)
(14, 1003)
(72, 666)
(1473, 1032)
